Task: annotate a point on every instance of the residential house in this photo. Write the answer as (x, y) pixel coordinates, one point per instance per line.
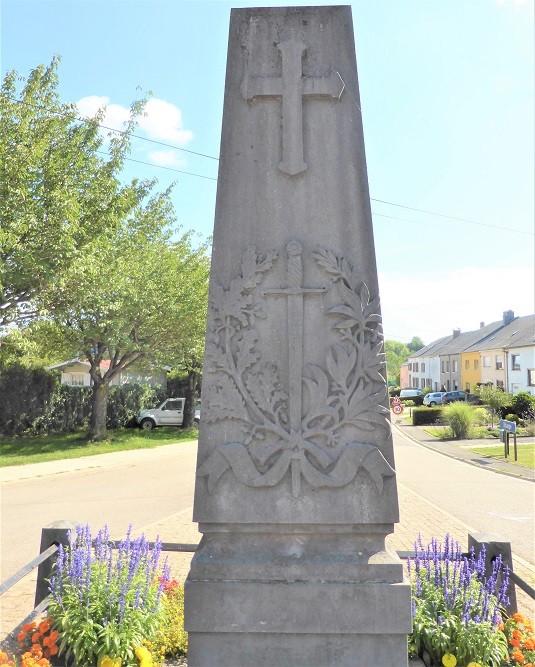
(507, 358)
(451, 361)
(424, 365)
(76, 374)
(404, 376)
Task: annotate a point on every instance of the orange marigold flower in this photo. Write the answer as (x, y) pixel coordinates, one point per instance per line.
(514, 642)
(45, 625)
(518, 617)
(529, 644)
(36, 651)
(36, 637)
(501, 626)
(518, 656)
(517, 634)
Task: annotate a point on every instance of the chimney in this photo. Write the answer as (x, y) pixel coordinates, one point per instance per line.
(456, 332)
(481, 325)
(508, 317)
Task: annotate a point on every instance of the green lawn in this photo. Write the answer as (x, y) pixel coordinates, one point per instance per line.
(526, 453)
(17, 451)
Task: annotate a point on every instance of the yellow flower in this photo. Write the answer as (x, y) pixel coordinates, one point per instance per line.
(144, 656)
(449, 660)
(473, 664)
(106, 661)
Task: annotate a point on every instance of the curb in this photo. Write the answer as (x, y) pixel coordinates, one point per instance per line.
(509, 473)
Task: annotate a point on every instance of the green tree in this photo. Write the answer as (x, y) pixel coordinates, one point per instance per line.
(134, 301)
(396, 354)
(415, 344)
(57, 194)
(494, 399)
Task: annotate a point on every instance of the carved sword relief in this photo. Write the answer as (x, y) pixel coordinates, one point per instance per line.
(311, 439)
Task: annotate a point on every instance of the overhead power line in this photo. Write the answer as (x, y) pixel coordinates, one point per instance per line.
(210, 178)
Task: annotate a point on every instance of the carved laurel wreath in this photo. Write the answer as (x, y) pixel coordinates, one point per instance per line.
(345, 395)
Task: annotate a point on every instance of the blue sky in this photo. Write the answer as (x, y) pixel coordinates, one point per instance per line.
(448, 105)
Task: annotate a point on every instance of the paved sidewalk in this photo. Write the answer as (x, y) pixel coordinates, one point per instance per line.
(459, 449)
(418, 516)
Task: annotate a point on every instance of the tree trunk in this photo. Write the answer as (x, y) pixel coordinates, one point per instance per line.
(99, 411)
(189, 404)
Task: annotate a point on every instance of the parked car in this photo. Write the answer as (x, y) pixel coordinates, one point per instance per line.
(409, 393)
(451, 396)
(169, 413)
(433, 398)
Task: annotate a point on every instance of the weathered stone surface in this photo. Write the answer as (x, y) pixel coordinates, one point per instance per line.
(296, 485)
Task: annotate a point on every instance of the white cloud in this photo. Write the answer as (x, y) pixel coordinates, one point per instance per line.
(432, 306)
(166, 158)
(115, 115)
(163, 120)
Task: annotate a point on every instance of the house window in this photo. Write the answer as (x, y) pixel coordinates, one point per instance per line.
(76, 379)
(410, 367)
(422, 383)
(515, 362)
(476, 364)
(499, 384)
(423, 367)
(447, 385)
(410, 380)
(499, 361)
(467, 387)
(447, 366)
(486, 362)
(454, 367)
(466, 364)
(415, 367)
(442, 367)
(531, 377)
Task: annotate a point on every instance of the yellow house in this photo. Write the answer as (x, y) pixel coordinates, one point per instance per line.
(470, 370)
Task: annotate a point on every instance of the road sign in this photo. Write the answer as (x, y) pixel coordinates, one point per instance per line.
(506, 425)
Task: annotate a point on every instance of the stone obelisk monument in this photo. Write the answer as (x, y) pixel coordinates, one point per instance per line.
(296, 487)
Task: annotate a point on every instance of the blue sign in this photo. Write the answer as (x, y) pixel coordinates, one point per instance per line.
(507, 426)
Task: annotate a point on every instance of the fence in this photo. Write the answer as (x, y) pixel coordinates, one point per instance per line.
(59, 533)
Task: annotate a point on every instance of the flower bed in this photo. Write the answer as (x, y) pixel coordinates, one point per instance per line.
(120, 608)
(110, 607)
(458, 612)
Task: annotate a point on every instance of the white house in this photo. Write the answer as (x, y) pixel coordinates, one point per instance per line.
(75, 373)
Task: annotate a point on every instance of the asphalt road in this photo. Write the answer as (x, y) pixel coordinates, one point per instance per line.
(137, 492)
(485, 501)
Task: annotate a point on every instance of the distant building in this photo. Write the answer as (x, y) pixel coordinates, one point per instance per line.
(75, 373)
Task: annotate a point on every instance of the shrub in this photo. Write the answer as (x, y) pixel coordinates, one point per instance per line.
(408, 403)
(481, 417)
(522, 403)
(460, 417)
(456, 609)
(426, 416)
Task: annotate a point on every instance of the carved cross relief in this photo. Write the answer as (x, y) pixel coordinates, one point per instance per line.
(291, 87)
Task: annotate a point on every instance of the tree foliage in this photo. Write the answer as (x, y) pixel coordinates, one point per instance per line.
(396, 354)
(415, 344)
(57, 193)
(138, 300)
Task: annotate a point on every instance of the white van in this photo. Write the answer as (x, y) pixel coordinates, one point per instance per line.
(169, 413)
(409, 393)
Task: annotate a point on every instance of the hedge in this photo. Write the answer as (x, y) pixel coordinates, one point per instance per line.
(426, 416)
(32, 402)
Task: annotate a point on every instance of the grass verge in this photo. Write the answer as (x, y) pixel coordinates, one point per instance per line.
(526, 453)
(476, 433)
(35, 449)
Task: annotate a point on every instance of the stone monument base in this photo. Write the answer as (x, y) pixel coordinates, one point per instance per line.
(299, 597)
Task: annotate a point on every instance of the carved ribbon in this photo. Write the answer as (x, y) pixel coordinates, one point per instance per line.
(354, 456)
